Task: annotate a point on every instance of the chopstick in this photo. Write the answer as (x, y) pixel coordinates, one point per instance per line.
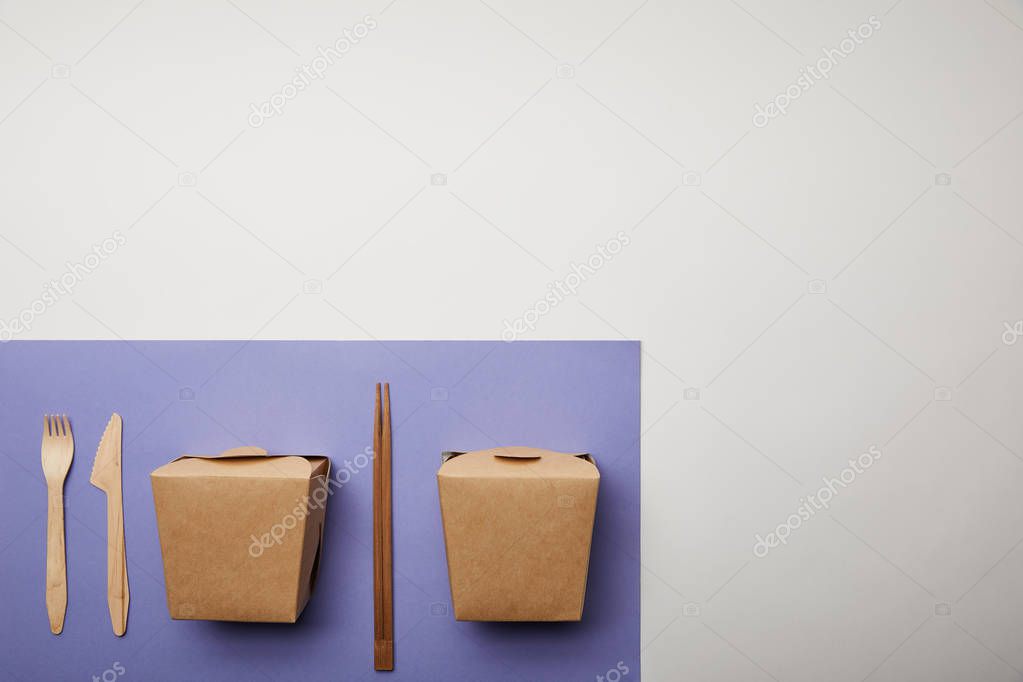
(383, 573)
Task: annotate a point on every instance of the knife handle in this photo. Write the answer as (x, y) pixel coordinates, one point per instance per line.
(56, 566)
(117, 567)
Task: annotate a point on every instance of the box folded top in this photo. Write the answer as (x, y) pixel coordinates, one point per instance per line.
(249, 462)
(518, 462)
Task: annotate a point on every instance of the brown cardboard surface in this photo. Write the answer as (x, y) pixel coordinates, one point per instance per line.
(518, 524)
(240, 533)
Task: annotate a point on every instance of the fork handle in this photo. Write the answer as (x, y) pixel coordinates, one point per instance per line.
(56, 567)
(117, 566)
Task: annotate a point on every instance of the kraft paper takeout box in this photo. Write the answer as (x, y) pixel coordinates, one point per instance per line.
(518, 523)
(241, 533)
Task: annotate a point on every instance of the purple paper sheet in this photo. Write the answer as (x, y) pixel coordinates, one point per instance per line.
(312, 397)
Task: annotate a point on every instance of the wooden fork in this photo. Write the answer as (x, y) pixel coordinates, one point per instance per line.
(58, 449)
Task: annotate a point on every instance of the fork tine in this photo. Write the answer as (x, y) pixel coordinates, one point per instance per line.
(67, 426)
(46, 425)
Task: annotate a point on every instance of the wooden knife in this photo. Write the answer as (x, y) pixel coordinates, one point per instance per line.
(106, 475)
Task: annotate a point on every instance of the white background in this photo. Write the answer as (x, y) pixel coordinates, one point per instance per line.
(834, 280)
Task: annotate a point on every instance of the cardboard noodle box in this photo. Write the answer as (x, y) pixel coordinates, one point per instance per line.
(518, 523)
(241, 533)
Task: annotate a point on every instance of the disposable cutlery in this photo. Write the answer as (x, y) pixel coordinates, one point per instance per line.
(57, 451)
(106, 475)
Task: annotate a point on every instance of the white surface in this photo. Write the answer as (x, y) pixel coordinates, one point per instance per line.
(728, 223)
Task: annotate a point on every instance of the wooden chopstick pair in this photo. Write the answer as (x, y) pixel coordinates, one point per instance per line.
(383, 571)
